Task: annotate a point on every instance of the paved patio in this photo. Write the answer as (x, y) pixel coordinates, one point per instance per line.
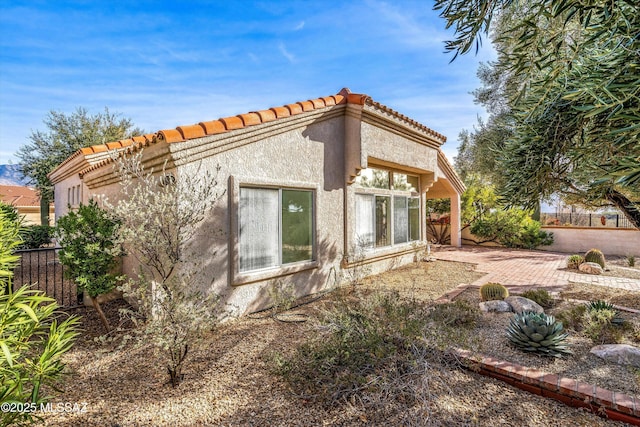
(520, 269)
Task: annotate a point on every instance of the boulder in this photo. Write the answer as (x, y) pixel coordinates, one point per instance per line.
(622, 354)
(590, 268)
(498, 305)
(521, 304)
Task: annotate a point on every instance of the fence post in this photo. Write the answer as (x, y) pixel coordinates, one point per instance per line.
(617, 220)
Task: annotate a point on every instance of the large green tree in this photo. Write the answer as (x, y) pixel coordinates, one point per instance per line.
(573, 96)
(65, 134)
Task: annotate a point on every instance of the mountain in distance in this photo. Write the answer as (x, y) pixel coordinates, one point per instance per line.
(10, 175)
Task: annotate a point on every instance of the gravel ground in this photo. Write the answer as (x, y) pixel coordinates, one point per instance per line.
(229, 380)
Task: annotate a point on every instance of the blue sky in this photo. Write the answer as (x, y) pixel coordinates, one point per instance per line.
(165, 64)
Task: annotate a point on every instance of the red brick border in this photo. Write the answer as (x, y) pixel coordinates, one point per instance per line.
(612, 405)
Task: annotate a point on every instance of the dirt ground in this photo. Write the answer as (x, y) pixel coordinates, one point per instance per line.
(230, 380)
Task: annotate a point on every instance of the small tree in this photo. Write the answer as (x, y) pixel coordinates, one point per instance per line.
(90, 251)
(161, 213)
(31, 339)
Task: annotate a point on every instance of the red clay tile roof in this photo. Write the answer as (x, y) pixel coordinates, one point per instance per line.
(17, 195)
(226, 124)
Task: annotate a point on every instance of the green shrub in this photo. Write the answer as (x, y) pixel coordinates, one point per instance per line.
(631, 260)
(36, 236)
(31, 339)
(540, 296)
(538, 333)
(574, 261)
(595, 255)
(493, 291)
(90, 250)
(512, 228)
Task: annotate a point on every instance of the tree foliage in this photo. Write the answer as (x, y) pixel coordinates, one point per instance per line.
(572, 87)
(65, 134)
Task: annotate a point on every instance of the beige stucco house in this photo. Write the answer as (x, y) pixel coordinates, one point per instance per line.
(306, 184)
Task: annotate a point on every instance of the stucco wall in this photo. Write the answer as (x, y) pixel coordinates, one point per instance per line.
(616, 241)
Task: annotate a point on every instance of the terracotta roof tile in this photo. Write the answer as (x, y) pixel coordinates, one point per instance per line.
(281, 112)
(266, 115)
(100, 148)
(18, 195)
(250, 119)
(232, 123)
(86, 150)
(170, 135)
(191, 132)
(294, 108)
(306, 105)
(329, 100)
(317, 103)
(114, 145)
(213, 127)
(139, 139)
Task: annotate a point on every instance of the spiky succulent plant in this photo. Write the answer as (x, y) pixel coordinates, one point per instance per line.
(493, 291)
(595, 255)
(600, 305)
(538, 333)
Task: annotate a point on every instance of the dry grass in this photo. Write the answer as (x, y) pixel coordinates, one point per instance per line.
(230, 380)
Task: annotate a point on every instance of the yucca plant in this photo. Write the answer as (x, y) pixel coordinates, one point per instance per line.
(538, 333)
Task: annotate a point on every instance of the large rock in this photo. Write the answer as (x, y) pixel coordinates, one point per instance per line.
(590, 268)
(521, 304)
(622, 354)
(498, 305)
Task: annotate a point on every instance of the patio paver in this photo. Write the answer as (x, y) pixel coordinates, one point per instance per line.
(520, 270)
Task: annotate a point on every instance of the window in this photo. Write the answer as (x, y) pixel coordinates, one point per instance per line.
(276, 227)
(387, 208)
(373, 178)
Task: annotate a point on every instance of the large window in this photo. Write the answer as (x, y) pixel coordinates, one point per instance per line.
(387, 208)
(276, 227)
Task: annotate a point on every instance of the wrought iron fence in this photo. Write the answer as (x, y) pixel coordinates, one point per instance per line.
(586, 220)
(41, 269)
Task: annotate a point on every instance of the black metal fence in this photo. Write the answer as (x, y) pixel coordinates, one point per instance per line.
(41, 270)
(586, 220)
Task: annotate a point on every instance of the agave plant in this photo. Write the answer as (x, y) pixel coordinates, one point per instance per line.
(538, 333)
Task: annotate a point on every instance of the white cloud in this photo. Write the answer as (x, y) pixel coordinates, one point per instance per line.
(299, 26)
(283, 50)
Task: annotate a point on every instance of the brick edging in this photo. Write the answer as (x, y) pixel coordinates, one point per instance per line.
(449, 296)
(612, 405)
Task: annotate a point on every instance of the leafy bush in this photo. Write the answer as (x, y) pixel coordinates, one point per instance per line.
(540, 296)
(512, 228)
(538, 333)
(36, 236)
(90, 250)
(31, 339)
(574, 261)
